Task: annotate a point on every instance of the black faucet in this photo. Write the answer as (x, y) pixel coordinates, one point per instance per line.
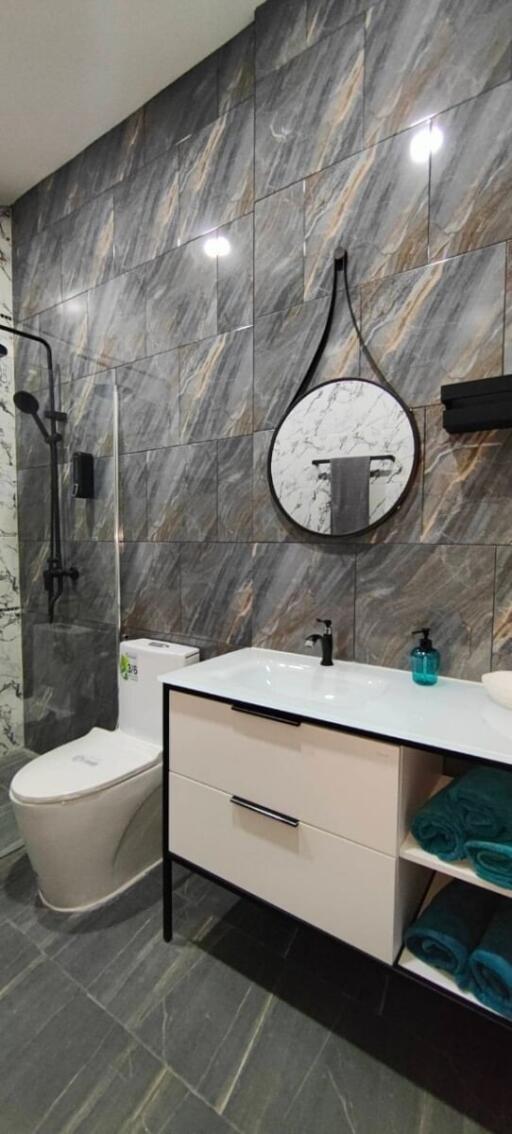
(325, 639)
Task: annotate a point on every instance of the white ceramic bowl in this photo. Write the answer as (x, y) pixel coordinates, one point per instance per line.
(498, 686)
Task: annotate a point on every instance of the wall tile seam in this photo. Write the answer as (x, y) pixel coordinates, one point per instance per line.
(358, 19)
(397, 134)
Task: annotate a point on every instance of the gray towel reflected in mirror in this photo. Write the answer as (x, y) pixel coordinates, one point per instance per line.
(350, 494)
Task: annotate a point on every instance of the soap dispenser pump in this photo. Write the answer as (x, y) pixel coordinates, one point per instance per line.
(425, 659)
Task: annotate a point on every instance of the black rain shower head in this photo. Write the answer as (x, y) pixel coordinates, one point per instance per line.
(3, 350)
(26, 402)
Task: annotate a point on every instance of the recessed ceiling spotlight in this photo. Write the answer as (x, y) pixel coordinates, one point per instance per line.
(424, 142)
(217, 246)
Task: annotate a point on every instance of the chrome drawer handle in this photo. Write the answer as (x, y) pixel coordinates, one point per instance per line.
(266, 811)
(253, 711)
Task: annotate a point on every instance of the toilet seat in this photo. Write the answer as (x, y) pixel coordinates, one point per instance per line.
(84, 766)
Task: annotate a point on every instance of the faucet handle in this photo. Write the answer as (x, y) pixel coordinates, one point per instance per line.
(327, 622)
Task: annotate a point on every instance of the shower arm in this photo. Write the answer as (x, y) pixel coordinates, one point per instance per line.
(55, 571)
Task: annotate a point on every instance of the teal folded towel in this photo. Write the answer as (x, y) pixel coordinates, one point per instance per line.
(451, 927)
(483, 801)
(437, 827)
(491, 963)
(492, 861)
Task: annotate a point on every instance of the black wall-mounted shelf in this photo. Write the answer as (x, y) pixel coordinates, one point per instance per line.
(474, 406)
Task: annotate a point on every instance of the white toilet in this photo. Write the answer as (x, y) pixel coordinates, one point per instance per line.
(90, 811)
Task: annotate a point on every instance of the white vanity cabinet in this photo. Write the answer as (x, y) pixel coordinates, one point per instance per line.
(306, 816)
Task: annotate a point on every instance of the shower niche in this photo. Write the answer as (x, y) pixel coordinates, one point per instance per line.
(345, 453)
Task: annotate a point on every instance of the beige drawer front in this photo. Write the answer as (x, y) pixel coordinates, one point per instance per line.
(339, 886)
(344, 784)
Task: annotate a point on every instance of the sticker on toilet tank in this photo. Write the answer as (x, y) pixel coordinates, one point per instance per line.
(128, 667)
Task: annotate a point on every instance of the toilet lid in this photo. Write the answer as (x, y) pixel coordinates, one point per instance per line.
(83, 766)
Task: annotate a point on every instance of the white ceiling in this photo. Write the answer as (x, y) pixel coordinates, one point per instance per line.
(71, 69)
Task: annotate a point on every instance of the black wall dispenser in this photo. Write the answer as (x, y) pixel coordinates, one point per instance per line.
(474, 406)
(83, 476)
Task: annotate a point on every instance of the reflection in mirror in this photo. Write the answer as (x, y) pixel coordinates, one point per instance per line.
(343, 457)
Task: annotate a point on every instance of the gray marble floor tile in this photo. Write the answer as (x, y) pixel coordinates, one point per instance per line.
(309, 112)
(279, 250)
(437, 324)
(65, 327)
(70, 1052)
(107, 160)
(348, 1089)
(216, 592)
(37, 273)
(236, 70)
(325, 16)
(117, 323)
(181, 108)
(507, 361)
(502, 628)
(182, 493)
(85, 944)
(268, 524)
(216, 387)
(17, 954)
(295, 584)
(181, 304)
(216, 175)
(449, 589)
(471, 180)
(90, 405)
(94, 518)
(280, 32)
(148, 392)
(29, 1004)
(146, 212)
(235, 275)
(421, 59)
(235, 488)
(211, 1011)
(133, 508)
(87, 246)
(150, 586)
(120, 1088)
(293, 1030)
(466, 487)
(352, 973)
(375, 205)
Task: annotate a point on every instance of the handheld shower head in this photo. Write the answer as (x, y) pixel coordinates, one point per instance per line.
(26, 402)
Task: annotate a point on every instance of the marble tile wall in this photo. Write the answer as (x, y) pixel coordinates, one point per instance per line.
(11, 686)
(297, 136)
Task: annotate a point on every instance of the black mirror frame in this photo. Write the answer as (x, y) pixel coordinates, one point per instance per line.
(340, 264)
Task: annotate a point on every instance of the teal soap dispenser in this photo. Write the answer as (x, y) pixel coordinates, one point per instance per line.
(425, 659)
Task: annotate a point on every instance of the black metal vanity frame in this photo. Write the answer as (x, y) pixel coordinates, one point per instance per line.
(294, 719)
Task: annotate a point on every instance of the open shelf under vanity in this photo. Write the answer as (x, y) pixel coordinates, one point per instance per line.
(414, 967)
(461, 869)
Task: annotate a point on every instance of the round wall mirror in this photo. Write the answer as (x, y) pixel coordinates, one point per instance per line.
(343, 458)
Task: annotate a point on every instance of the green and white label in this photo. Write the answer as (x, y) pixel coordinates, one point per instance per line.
(128, 667)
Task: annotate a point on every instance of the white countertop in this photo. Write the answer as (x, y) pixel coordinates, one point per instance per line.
(456, 716)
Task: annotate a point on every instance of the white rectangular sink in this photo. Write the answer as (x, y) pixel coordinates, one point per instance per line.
(453, 715)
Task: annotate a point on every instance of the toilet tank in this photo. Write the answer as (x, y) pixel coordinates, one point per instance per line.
(141, 661)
